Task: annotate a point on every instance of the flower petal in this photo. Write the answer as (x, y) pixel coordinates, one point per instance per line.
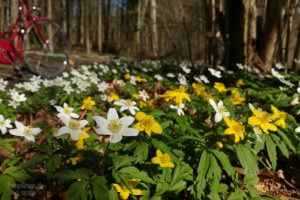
(155, 160)
(101, 121)
(63, 130)
(213, 104)
(218, 117)
(140, 115)
(128, 120)
(112, 114)
(156, 128)
(115, 138)
(130, 132)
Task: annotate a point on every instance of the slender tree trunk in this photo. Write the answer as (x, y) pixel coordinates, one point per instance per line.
(87, 27)
(82, 22)
(49, 13)
(296, 66)
(154, 27)
(270, 33)
(99, 28)
(64, 18)
(2, 7)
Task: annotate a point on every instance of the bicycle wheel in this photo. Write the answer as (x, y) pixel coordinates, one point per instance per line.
(45, 52)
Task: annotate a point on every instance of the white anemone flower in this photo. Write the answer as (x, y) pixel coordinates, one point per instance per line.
(220, 110)
(25, 131)
(279, 66)
(297, 129)
(287, 82)
(215, 73)
(204, 79)
(240, 66)
(276, 74)
(127, 105)
(144, 95)
(114, 126)
(66, 111)
(179, 108)
(4, 123)
(298, 89)
(73, 127)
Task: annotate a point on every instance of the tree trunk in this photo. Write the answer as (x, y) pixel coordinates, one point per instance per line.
(2, 7)
(49, 13)
(82, 22)
(99, 28)
(154, 27)
(270, 33)
(64, 18)
(141, 9)
(87, 27)
(296, 66)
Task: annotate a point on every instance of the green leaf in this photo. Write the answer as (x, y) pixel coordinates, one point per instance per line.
(53, 163)
(156, 113)
(214, 173)
(12, 160)
(250, 179)
(37, 158)
(286, 140)
(100, 190)
(271, 149)
(141, 151)
(280, 145)
(79, 190)
(223, 158)
(253, 192)
(237, 194)
(136, 173)
(202, 169)
(121, 161)
(7, 183)
(161, 188)
(260, 145)
(19, 175)
(68, 174)
(247, 159)
(181, 172)
(113, 195)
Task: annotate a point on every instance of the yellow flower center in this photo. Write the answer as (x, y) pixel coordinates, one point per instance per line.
(1, 123)
(165, 159)
(238, 127)
(74, 124)
(148, 121)
(67, 110)
(222, 109)
(128, 102)
(27, 131)
(115, 125)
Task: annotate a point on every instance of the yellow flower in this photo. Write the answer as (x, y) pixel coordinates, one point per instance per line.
(127, 76)
(113, 97)
(148, 103)
(219, 144)
(147, 123)
(124, 191)
(237, 99)
(220, 87)
(139, 79)
(240, 82)
(88, 103)
(79, 142)
(163, 160)
(208, 96)
(74, 160)
(279, 116)
(262, 119)
(234, 91)
(136, 96)
(235, 128)
(176, 95)
(198, 88)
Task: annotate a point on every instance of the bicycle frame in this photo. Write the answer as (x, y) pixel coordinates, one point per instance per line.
(18, 29)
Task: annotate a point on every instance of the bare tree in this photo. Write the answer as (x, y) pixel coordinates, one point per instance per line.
(99, 27)
(154, 27)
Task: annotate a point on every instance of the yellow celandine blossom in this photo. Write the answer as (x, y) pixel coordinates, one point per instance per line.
(262, 119)
(124, 191)
(220, 144)
(88, 103)
(145, 104)
(208, 96)
(147, 123)
(139, 79)
(220, 87)
(75, 160)
(127, 76)
(163, 160)
(79, 142)
(198, 88)
(237, 99)
(235, 128)
(234, 91)
(176, 96)
(136, 96)
(113, 97)
(279, 116)
(240, 82)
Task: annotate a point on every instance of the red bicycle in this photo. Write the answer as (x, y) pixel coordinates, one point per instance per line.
(41, 44)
